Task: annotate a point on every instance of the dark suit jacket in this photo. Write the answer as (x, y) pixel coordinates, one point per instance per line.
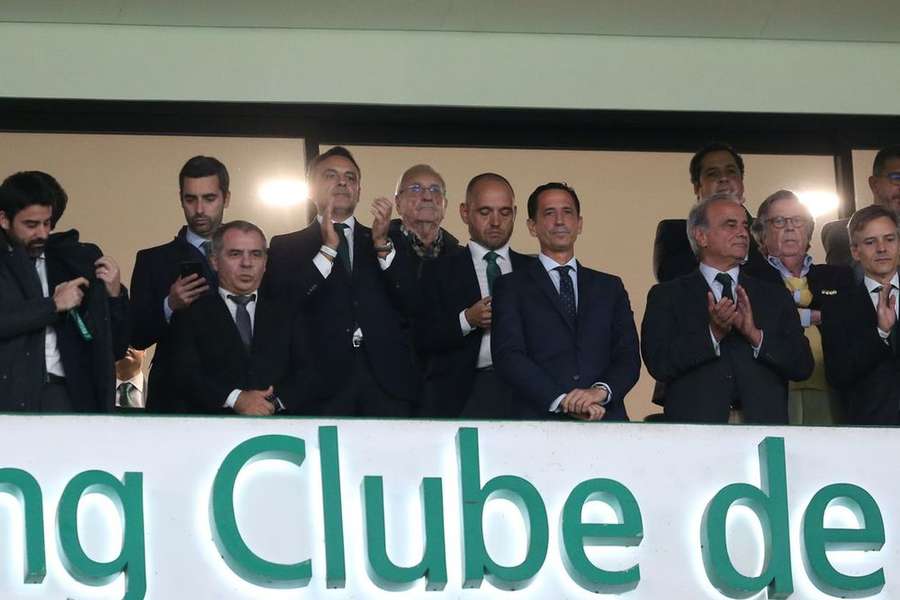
(155, 270)
(449, 285)
(542, 355)
(857, 361)
(378, 301)
(211, 360)
(836, 241)
(25, 313)
(678, 350)
(672, 254)
(825, 281)
(451, 246)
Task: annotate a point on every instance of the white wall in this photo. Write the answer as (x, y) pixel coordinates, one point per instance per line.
(437, 68)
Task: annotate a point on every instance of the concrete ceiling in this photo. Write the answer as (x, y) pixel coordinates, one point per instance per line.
(821, 20)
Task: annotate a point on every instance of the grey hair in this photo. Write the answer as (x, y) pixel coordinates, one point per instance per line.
(242, 226)
(415, 170)
(698, 217)
(758, 229)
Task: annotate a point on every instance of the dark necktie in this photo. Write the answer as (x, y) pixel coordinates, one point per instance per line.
(205, 248)
(493, 270)
(726, 280)
(242, 318)
(343, 247)
(566, 292)
(124, 393)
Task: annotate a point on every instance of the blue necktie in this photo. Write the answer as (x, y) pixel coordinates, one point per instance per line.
(566, 292)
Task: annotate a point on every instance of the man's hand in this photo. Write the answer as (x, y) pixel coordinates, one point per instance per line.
(744, 320)
(885, 309)
(108, 272)
(68, 294)
(580, 403)
(329, 234)
(595, 413)
(253, 402)
(479, 314)
(185, 290)
(381, 211)
(722, 315)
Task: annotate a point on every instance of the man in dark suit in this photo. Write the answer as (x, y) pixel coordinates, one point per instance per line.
(563, 335)
(716, 169)
(238, 351)
(421, 200)
(859, 335)
(64, 311)
(885, 185)
(169, 278)
(453, 330)
(357, 291)
(724, 343)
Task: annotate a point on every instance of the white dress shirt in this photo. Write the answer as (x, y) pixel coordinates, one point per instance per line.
(478, 252)
(325, 266)
(232, 308)
(52, 357)
(136, 395)
(871, 284)
(550, 265)
(197, 242)
(709, 274)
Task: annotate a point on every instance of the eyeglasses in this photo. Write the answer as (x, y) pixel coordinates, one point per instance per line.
(419, 190)
(780, 222)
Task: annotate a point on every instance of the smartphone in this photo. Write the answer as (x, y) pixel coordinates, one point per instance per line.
(190, 267)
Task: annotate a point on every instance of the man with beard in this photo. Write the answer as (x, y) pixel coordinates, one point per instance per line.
(169, 278)
(453, 330)
(357, 292)
(421, 200)
(885, 185)
(63, 310)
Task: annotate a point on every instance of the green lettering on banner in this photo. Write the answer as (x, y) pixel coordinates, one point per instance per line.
(477, 564)
(771, 508)
(128, 496)
(629, 531)
(433, 565)
(238, 556)
(26, 490)
(817, 539)
(332, 509)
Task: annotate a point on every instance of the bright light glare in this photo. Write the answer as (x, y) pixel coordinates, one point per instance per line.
(284, 192)
(819, 203)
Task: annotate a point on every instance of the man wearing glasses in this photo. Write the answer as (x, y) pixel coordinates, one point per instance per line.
(421, 203)
(885, 185)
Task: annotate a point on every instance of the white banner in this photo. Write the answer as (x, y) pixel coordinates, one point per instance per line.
(212, 508)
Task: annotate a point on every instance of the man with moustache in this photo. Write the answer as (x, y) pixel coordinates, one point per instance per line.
(885, 185)
(63, 310)
(239, 351)
(421, 199)
(563, 335)
(356, 291)
(453, 330)
(859, 335)
(169, 278)
(724, 343)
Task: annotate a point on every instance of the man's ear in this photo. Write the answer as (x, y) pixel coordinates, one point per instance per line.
(227, 199)
(4, 220)
(531, 230)
(464, 212)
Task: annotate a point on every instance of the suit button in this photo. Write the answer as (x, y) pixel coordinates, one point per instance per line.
(576, 377)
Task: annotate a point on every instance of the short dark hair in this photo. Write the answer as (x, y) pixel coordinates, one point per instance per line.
(242, 226)
(697, 159)
(333, 151)
(488, 177)
(204, 166)
(866, 215)
(553, 185)
(41, 188)
(884, 155)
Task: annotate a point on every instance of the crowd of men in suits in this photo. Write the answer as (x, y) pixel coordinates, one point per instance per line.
(401, 320)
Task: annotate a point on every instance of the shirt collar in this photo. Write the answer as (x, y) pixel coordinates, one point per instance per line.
(776, 262)
(225, 293)
(550, 264)
(478, 251)
(871, 284)
(349, 222)
(709, 273)
(193, 239)
(137, 381)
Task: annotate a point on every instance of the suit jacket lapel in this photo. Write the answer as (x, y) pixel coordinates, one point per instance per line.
(542, 278)
(465, 268)
(25, 273)
(222, 315)
(697, 288)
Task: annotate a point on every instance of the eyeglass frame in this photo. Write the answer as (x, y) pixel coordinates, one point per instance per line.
(796, 221)
(435, 189)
